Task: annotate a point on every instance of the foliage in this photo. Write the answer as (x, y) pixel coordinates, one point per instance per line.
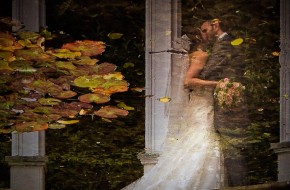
(120, 24)
(104, 159)
(111, 164)
(78, 152)
(41, 88)
(255, 24)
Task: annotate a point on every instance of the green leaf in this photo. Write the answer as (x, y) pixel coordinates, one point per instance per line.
(114, 36)
(49, 101)
(56, 126)
(89, 81)
(128, 64)
(124, 106)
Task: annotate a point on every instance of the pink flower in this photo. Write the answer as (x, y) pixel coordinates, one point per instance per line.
(236, 84)
(222, 85)
(226, 80)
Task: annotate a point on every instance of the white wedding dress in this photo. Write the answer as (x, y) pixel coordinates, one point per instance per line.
(191, 158)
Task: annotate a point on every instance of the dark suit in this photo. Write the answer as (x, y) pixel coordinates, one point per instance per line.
(227, 61)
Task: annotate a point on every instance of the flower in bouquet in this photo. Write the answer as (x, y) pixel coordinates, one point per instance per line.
(229, 93)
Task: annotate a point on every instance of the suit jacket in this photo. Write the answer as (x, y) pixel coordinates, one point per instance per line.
(225, 60)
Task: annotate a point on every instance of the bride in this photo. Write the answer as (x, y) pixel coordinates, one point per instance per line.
(190, 159)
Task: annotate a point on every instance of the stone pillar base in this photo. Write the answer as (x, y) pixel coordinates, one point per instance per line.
(27, 172)
(148, 160)
(282, 149)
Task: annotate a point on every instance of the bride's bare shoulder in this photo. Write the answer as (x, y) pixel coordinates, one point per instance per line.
(199, 53)
(198, 56)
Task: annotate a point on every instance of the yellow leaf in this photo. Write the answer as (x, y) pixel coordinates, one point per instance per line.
(85, 112)
(275, 53)
(164, 99)
(106, 120)
(214, 21)
(237, 41)
(138, 89)
(168, 32)
(115, 75)
(67, 122)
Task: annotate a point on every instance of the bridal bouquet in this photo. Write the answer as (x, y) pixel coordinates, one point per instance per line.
(228, 93)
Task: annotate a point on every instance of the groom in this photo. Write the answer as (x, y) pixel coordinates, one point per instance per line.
(227, 61)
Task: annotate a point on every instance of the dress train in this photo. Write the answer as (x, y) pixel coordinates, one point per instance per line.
(191, 157)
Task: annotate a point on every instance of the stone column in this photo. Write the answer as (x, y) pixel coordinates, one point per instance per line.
(30, 12)
(283, 147)
(28, 159)
(162, 28)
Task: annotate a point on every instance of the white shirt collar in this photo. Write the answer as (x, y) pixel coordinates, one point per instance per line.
(222, 35)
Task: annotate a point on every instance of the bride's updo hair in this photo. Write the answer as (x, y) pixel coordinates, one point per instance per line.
(196, 39)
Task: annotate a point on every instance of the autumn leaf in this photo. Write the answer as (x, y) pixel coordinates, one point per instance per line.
(89, 81)
(56, 126)
(164, 99)
(63, 94)
(65, 65)
(138, 89)
(128, 64)
(64, 53)
(111, 86)
(124, 106)
(7, 56)
(4, 67)
(30, 126)
(35, 54)
(22, 66)
(85, 60)
(237, 41)
(67, 122)
(28, 35)
(111, 112)
(96, 98)
(86, 47)
(114, 36)
(49, 101)
(105, 68)
(85, 111)
(275, 53)
(114, 75)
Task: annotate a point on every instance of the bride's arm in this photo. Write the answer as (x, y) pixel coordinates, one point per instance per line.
(197, 62)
